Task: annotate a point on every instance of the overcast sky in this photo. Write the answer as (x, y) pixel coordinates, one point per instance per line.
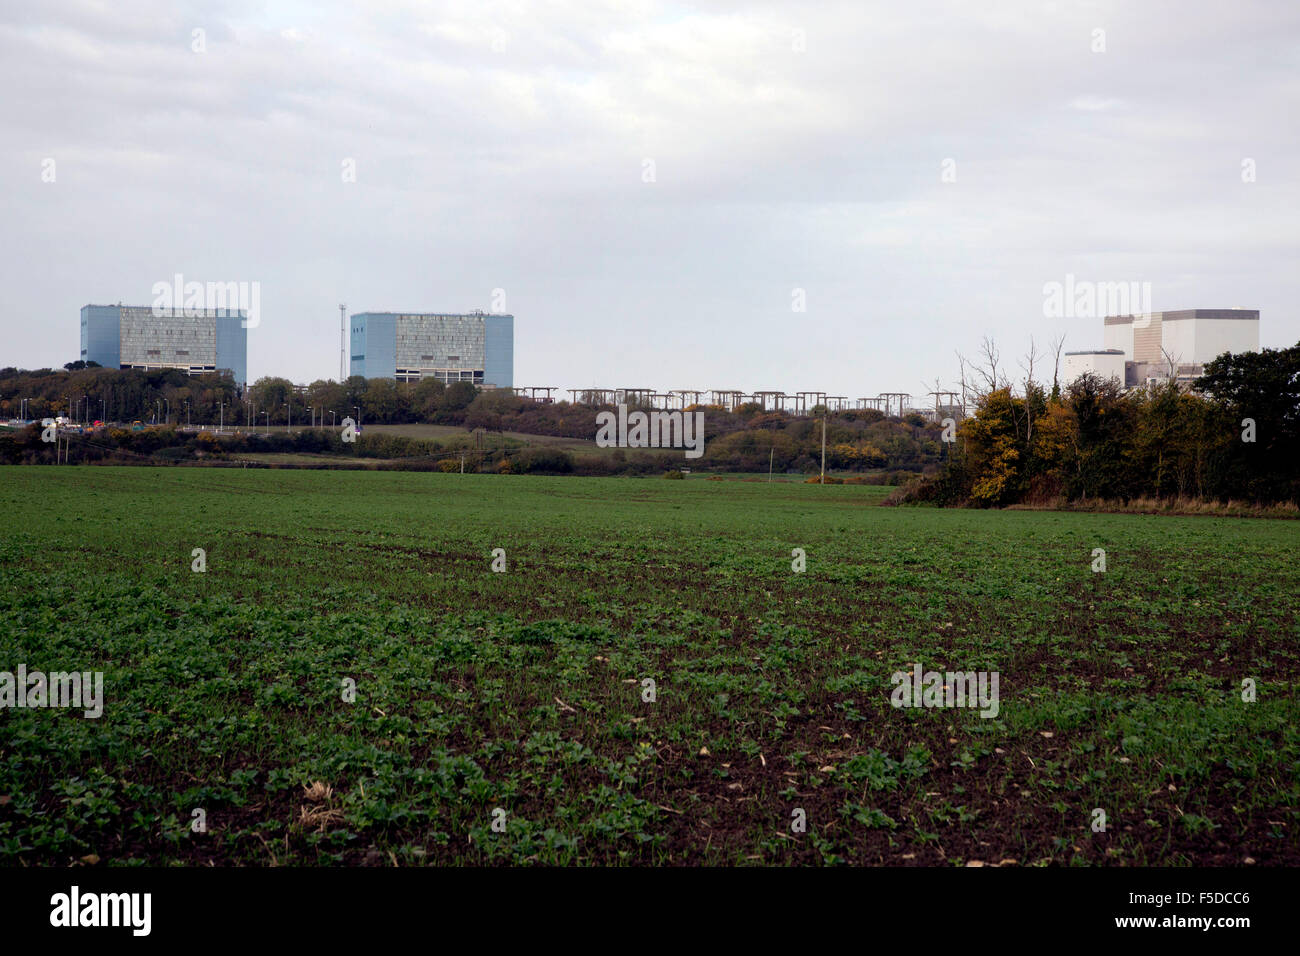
(795, 146)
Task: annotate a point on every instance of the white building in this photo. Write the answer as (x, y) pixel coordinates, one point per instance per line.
(1158, 346)
(1104, 363)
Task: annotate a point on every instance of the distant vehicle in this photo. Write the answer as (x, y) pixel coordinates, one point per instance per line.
(47, 422)
(137, 426)
(98, 424)
(62, 420)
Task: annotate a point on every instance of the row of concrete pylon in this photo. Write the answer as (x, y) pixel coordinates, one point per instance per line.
(891, 403)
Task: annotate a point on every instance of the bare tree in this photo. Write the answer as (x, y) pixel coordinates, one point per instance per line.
(1056, 366)
(989, 352)
(1172, 362)
(1027, 363)
(964, 383)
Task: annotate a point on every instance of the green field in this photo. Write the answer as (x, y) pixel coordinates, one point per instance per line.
(474, 690)
(459, 436)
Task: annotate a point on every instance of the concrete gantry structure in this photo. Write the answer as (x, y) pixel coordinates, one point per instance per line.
(801, 400)
(764, 397)
(890, 403)
(592, 396)
(635, 396)
(942, 411)
(889, 397)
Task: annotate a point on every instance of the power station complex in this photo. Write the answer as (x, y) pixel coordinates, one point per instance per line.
(475, 347)
(195, 341)
(478, 348)
(1159, 346)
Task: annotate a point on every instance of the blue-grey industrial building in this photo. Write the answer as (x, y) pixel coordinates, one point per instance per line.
(195, 341)
(476, 347)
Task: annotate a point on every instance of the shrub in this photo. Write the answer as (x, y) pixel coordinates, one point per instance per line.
(543, 461)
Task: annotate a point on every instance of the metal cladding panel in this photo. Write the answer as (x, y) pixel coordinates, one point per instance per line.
(499, 351)
(428, 340)
(232, 345)
(356, 345)
(1147, 340)
(374, 345)
(101, 331)
(170, 338)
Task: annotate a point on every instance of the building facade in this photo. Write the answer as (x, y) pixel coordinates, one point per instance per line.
(476, 347)
(1104, 363)
(195, 341)
(1159, 346)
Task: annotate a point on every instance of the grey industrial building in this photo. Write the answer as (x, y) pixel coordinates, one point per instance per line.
(195, 341)
(474, 347)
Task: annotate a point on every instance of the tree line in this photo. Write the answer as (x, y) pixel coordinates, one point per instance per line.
(87, 392)
(1234, 436)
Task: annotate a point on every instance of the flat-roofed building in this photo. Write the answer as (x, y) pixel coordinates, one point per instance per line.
(195, 341)
(1160, 346)
(1104, 363)
(1183, 341)
(475, 347)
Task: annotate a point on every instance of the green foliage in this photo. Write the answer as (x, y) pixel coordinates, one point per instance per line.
(477, 690)
(1098, 442)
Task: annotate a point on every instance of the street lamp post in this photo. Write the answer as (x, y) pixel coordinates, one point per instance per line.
(222, 422)
(333, 417)
(358, 411)
(268, 422)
